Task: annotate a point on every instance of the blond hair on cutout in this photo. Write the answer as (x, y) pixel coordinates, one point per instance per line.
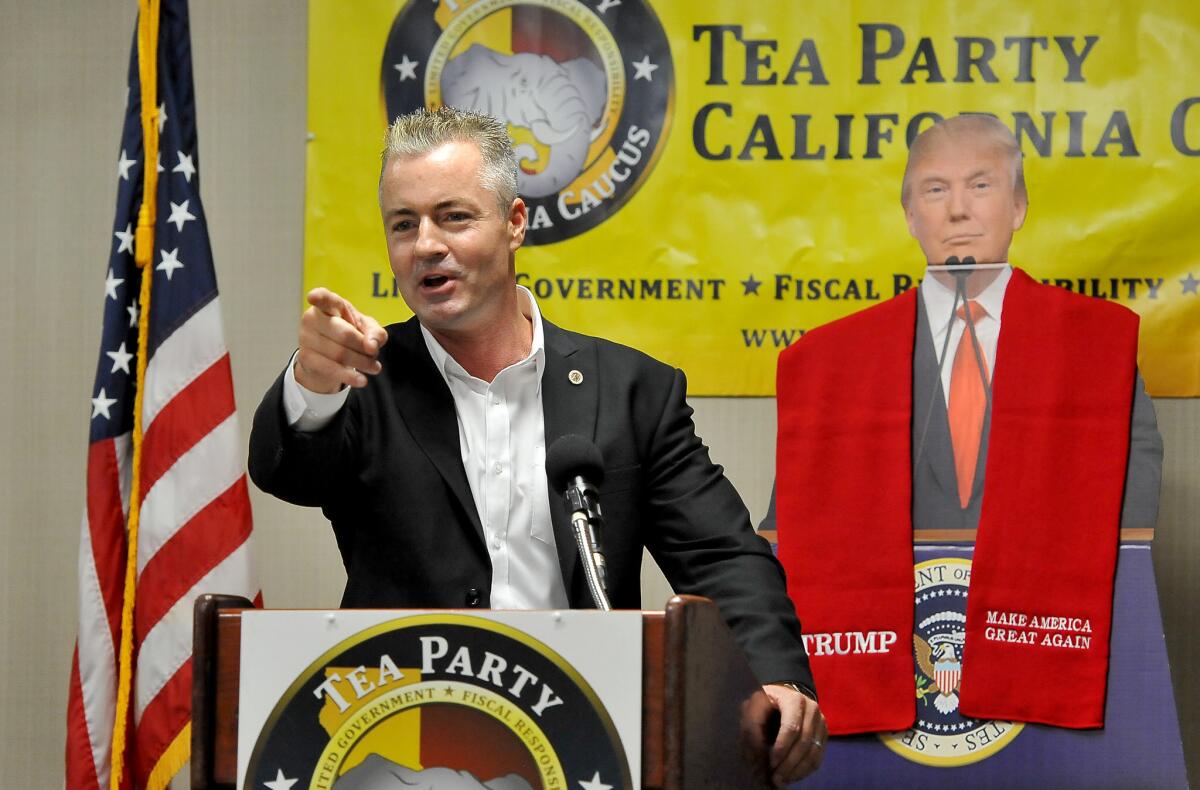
(976, 127)
(422, 130)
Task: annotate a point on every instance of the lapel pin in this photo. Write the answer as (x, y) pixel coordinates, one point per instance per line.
(575, 377)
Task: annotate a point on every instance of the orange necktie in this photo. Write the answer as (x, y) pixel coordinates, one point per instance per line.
(968, 402)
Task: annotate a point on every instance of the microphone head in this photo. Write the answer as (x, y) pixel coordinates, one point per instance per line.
(953, 261)
(573, 456)
(969, 260)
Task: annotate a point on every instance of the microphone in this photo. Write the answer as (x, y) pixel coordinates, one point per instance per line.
(575, 466)
(960, 270)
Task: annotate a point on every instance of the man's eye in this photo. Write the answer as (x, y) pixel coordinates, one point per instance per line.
(458, 216)
(402, 226)
(982, 184)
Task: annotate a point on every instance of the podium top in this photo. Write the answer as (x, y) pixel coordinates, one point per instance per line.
(923, 536)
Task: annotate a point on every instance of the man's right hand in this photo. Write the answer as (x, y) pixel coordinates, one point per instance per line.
(339, 346)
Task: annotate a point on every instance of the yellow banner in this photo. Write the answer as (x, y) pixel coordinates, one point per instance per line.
(709, 180)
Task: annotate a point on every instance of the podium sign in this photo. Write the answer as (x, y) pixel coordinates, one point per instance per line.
(525, 699)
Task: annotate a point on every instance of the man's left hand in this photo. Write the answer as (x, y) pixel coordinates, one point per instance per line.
(800, 745)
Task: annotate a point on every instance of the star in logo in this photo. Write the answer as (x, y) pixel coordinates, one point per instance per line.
(644, 69)
(126, 238)
(750, 286)
(280, 782)
(407, 68)
(170, 262)
(594, 783)
(185, 166)
(101, 404)
(180, 214)
(123, 165)
(162, 116)
(1189, 284)
(120, 359)
(133, 313)
(111, 283)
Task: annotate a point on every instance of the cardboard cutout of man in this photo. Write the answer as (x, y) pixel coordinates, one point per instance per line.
(982, 400)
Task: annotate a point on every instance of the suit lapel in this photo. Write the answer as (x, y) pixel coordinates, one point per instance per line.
(427, 409)
(930, 403)
(569, 406)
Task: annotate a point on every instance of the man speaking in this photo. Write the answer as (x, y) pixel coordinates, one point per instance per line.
(982, 400)
(424, 443)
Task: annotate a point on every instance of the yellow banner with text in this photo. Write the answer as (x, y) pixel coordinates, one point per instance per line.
(708, 181)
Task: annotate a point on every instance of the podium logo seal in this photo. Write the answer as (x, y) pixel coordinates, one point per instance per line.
(941, 736)
(586, 88)
(441, 700)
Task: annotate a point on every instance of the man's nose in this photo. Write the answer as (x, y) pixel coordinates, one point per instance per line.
(430, 243)
(958, 203)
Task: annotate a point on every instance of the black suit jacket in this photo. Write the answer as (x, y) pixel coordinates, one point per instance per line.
(388, 474)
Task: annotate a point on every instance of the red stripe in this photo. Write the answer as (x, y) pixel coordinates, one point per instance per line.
(164, 717)
(81, 767)
(195, 549)
(106, 525)
(186, 419)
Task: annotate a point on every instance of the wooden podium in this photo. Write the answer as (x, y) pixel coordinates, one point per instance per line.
(697, 690)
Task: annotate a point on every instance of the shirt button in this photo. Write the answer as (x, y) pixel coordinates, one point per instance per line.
(473, 597)
(498, 469)
(495, 400)
(496, 544)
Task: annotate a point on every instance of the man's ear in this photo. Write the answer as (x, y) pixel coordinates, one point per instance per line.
(1021, 208)
(518, 222)
(908, 217)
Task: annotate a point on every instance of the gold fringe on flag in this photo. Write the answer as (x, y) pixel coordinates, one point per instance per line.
(143, 254)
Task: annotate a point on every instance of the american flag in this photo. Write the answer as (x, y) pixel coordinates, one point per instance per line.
(195, 523)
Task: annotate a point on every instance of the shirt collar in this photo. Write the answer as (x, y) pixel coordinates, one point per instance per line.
(448, 366)
(939, 298)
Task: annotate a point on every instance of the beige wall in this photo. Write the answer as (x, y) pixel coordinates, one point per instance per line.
(61, 96)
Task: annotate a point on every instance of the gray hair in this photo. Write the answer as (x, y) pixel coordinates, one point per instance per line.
(422, 130)
(986, 129)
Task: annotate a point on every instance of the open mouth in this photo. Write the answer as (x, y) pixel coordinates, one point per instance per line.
(434, 281)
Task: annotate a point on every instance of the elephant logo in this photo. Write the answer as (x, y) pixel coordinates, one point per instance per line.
(562, 104)
(586, 89)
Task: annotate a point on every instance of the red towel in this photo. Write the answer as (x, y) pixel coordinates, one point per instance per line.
(1046, 546)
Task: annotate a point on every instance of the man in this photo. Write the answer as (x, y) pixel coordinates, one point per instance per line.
(985, 401)
(424, 442)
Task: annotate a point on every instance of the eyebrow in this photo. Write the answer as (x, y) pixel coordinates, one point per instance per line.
(974, 174)
(441, 205)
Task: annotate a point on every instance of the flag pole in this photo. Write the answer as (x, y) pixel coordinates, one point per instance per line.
(148, 15)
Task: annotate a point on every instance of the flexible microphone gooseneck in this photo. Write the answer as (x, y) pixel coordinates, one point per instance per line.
(960, 274)
(575, 466)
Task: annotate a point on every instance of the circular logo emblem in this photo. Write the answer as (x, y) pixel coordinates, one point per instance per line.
(942, 736)
(585, 88)
(439, 701)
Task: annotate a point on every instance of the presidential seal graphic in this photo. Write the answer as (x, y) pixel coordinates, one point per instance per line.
(586, 89)
(439, 701)
(942, 736)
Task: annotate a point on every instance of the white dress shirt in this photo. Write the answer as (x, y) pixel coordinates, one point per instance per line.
(502, 439)
(939, 299)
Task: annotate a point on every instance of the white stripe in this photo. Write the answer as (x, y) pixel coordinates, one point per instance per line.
(189, 351)
(169, 643)
(123, 445)
(196, 478)
(97, 658)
